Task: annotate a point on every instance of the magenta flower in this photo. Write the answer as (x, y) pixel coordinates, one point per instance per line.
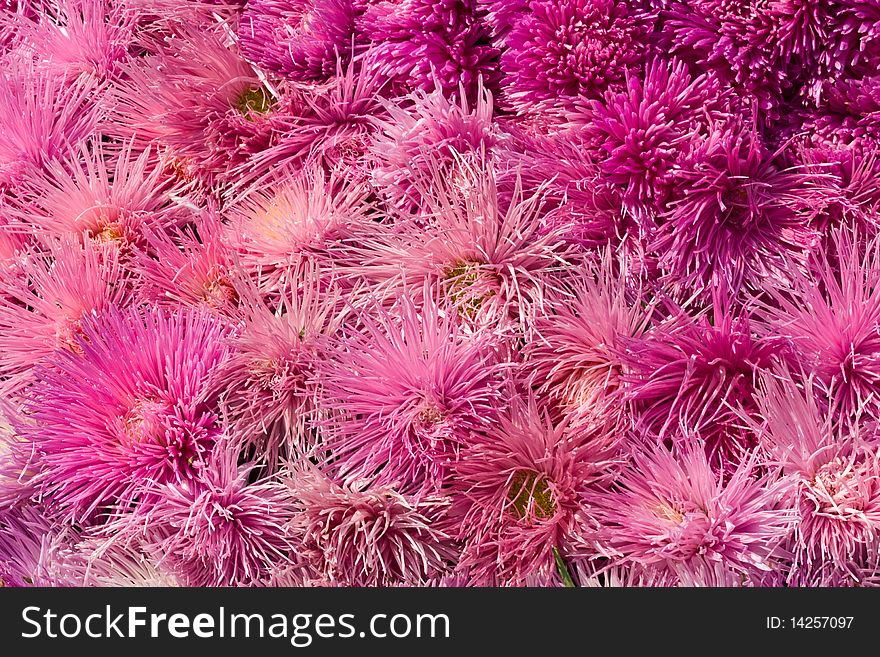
(698, 374)
(301, 40)
(733, 223)
(565, 49)
(132, 407)
(645, 132)
(426, 44)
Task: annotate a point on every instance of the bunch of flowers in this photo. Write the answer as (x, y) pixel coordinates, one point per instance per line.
(439, 292)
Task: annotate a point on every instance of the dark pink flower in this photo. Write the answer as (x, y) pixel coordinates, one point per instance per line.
(301, 39)
(566, 49)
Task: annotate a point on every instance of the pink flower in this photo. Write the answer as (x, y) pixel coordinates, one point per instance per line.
(219, 529)
(44, 306)
(669, 509)
(368, 536)
(132, 407)
(405, 393)
(518, 492)
(272, 382)
(645, 132)
(832, 477)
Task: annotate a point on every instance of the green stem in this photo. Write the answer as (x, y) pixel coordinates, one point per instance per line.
(567, 581)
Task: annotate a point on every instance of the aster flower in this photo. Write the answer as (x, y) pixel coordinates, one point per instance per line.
(136, 406)
(299, 218)
(73, 38)
(427, 129)
(734, 222)
(113, 197)
(832, 476)
(330, 125)
(189, 266)
(670, 509)
(699, 373)
(488, 256)
(518, 490)
(565, 49)
(404, 394)
(215, 530)
(201, 102)
(43, 308)
(271, 391)
(832, 319)
(368, 536)
(29, 541)
(561, 168)
(577, 357)
(43, 119)
(301, 40)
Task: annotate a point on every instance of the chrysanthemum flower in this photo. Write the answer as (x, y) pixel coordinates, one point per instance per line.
(733, 222)
(566, 49)
(135, 406)
(670, 509)
(832, 319)
(518, 491)
(698, 374)
(426, 44)
(832, 476)
(741, 40)
(43, 307)
(220, 529)
(301, 39)
(404, 394)
(644, 132)
(373, 536)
